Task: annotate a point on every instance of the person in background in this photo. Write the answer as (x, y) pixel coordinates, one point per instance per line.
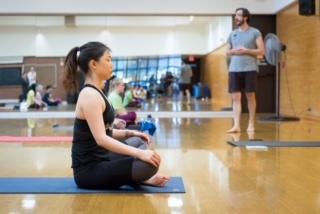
(115, 97)
(24, 86)
(169, 80)
(48, 98)
(34, 98)
(32, 76)
(185, 81)
(129, 100)
(245, 45)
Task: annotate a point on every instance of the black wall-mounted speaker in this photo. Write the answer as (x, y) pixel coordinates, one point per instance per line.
(308, 7)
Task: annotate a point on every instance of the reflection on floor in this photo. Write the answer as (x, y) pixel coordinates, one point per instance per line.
(159, 104)
(219, 178)
(158, 108)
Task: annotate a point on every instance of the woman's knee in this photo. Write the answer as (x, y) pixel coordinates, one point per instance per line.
(142, 171)
(136, 142)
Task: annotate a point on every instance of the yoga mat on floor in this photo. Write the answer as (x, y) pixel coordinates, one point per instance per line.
(66, 185)
(276, 143)
(19, 139)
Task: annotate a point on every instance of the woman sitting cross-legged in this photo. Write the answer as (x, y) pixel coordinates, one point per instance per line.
(48, 98)
(129, 100)
(34, 99)
(103, 157)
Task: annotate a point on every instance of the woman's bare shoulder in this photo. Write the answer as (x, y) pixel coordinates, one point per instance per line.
(90, 97)
(88, 100)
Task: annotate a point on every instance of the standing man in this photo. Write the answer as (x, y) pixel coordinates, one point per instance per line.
(245, 45)
(185, 81)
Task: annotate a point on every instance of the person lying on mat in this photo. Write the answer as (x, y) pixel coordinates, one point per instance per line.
(103, 157)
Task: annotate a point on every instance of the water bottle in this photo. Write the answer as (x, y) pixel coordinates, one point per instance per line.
(148, 125)
(150, 119)
(151, 123)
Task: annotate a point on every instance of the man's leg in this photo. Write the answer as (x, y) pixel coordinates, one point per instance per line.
(250, 86)
(188, 96)
(236, 104)
(251, 97)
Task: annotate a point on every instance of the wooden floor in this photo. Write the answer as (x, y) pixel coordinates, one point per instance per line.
(219, 178)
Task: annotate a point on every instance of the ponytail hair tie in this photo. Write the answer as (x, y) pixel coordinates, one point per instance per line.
(78, 53)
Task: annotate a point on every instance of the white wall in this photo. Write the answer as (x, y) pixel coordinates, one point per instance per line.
(218, 32)
(134, 6)
(280, 4)
(124, 41)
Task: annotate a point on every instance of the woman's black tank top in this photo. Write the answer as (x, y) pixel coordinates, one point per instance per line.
(85, 150)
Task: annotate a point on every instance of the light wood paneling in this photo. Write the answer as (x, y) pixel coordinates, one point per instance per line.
(215, 74)
(300, 80)
(10, 92)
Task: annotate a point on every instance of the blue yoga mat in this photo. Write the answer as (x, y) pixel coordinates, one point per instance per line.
(66, 185)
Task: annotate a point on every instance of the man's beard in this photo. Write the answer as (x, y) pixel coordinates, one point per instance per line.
(239, 22)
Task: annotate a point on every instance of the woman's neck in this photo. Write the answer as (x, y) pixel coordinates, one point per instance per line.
(96, 83)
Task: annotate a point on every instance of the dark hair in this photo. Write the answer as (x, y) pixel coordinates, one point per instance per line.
(79, 58)
(32, 87)
(245, 13)
(48, 87)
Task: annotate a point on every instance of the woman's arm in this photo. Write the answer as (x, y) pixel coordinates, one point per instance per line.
(91, 107)
(124, 134)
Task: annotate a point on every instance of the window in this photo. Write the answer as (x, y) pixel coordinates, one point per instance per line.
(153, 63)
(163, 63)
(140, 69)
(142, 63)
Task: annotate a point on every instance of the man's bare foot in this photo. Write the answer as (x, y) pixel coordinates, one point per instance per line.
(250, 135)
(250, 128)
(235, 137)
(234, 130)
(157, 180)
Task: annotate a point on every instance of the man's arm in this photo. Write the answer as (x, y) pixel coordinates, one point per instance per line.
(231, 51)
(260, 48)
(259, 51)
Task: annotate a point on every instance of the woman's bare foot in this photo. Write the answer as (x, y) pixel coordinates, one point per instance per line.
(157, 180)
(234, 130)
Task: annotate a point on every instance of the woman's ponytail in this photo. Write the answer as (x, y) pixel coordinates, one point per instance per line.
(71, 74)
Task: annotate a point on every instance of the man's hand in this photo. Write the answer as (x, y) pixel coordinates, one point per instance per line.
(239, 51)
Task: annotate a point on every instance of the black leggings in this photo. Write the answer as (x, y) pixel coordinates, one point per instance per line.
(118, 171)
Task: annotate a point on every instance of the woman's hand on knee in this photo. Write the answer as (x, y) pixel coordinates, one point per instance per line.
(150, 156)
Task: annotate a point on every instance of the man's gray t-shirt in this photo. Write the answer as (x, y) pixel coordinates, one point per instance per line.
(186, 74)
(246, 39)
